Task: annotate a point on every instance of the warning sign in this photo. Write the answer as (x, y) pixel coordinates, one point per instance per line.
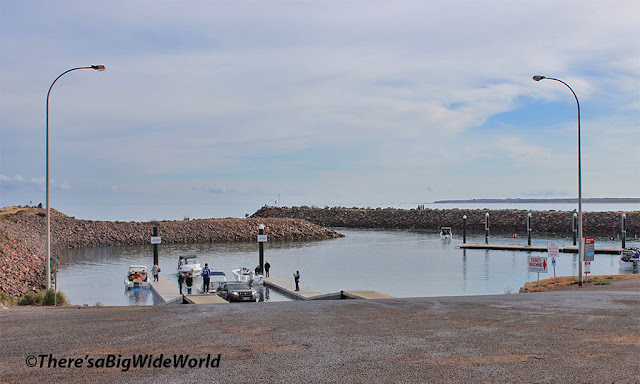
(537, 264)
(589, 248)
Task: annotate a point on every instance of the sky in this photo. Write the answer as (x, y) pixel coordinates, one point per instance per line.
(216, 108)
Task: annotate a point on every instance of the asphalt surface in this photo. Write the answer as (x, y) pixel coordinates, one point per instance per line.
(574, 336)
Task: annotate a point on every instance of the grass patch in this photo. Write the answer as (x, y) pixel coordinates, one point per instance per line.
(48, 298)
(6, 299)
(602, 282)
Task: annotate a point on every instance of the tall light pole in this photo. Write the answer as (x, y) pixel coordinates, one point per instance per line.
(48, 262)
(580, 241)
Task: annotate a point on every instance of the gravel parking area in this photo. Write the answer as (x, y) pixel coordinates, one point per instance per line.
(564, 336)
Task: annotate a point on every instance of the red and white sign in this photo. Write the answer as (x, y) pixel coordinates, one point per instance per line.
(589, 248)
(552, 248)
(587, 267)
(537, 264)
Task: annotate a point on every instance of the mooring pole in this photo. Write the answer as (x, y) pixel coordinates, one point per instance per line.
(486, 228)
(261, 247)
(155, 247)
(573, 225)
(464, 229)
(529, 228)
(624, 229)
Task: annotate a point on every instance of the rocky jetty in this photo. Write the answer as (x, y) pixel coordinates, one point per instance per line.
(23, 232)
(505, 220)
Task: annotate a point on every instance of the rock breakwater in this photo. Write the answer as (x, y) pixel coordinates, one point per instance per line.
(505, 220)
(23, 232)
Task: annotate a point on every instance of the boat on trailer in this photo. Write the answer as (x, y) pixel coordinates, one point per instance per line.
(630, 259)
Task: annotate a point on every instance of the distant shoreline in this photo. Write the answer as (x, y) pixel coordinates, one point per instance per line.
(590, 200)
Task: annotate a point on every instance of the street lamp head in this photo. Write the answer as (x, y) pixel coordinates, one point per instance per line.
(538, 77)
(99, 67)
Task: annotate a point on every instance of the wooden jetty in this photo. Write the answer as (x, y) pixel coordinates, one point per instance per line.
(533, 248)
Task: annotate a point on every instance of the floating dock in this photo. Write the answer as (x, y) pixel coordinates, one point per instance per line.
(166, 291)
(211, 298)
(533, 248)
(288, 288)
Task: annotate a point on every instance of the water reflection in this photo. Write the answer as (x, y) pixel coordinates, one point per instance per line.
(138, 296)
(401, 263)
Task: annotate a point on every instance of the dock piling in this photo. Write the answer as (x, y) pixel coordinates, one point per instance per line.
(486, 228)
(464, 229)
(624, 229)
(529, 228)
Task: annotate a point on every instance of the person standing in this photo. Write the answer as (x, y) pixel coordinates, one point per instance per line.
(296, 278)
(266, 268)
(189, 282)
(206, 278)
(180, 281)
(155, 271)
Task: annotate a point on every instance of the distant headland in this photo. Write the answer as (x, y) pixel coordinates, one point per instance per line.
(590, 200)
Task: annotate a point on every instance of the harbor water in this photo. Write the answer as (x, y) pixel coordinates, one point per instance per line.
(401, 263)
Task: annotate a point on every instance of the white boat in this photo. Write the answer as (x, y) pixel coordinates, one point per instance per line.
(630, 259)
(137, 277)
(445, 233)
(245, 275)
(189, 264)
(216, 279)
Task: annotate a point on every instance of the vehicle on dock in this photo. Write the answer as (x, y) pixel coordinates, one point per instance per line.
(445, 233)
(137, 277)
(630, 259)
(245, 275)
(237, 291)
(189, 264)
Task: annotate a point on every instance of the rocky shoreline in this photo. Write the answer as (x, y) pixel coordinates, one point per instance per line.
(23, 232)
(504, 220)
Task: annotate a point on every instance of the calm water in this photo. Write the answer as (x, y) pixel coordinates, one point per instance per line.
(400, 263)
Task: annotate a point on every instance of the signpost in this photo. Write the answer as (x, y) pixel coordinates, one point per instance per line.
(587, 270)
(552, 249)
(538, 264)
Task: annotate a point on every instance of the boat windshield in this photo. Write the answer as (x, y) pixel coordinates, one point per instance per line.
(189, 260)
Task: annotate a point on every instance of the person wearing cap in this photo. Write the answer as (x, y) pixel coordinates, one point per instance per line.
(206, 278)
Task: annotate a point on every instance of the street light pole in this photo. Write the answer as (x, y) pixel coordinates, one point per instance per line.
(48, 240)
(580, 241)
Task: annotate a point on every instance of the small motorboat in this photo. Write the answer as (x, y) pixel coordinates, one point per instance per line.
(216, 280)
(189, 264)
(137, 277)
(630, 259)
(245, 275)
(445, 233)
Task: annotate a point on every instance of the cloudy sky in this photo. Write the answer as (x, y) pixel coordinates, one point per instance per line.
(214, 108)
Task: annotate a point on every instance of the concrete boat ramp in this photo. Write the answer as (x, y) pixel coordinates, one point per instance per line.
(168, 292)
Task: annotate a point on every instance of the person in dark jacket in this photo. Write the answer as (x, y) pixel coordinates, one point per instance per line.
(266, 268)
(180, 281)
(296, 277)
(206, 278)
(189, 282)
